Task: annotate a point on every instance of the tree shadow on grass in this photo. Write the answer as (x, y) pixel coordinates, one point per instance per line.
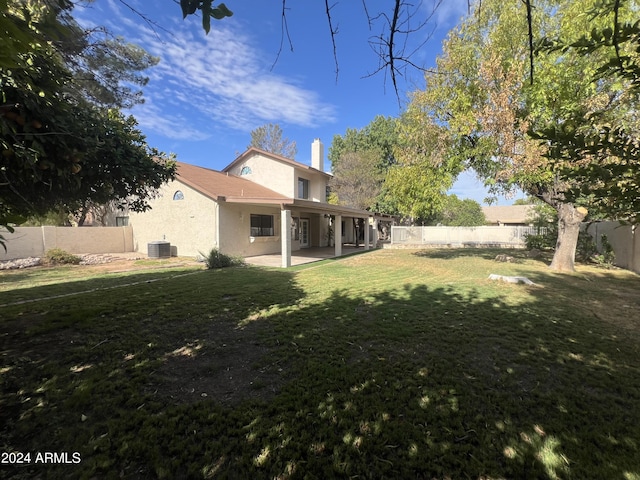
(71, 363)
(410, 382)
(485, 253)
(427, 383)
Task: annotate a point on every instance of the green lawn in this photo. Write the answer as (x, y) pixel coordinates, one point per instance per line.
(389, 364)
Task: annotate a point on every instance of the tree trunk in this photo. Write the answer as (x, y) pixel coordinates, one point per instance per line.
(569, 220)
(83, 215)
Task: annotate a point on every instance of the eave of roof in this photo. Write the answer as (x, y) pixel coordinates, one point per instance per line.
(307, 205)
(280, 158)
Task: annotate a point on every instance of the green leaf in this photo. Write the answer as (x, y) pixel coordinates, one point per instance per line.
(206, 16)
(188, 7)
(221, 11)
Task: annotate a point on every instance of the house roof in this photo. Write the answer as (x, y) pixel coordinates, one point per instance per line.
(508, 214)
(256, 151)
(230, 188)
(225, 187)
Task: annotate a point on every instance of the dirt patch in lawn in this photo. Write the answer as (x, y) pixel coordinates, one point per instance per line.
(233, 368)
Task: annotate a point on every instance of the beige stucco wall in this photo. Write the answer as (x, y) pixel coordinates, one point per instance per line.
(235, 230)
(317, 185)
(188, 224)
(282, 177)
(269, 173)
(35, 241)
(624, 239)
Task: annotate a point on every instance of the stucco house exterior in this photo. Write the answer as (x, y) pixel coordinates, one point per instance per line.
(509, 215)
(261, 203)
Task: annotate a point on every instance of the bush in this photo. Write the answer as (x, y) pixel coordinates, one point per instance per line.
(57, 256)
(217, 259)
(545, 239)
(607, 256)
(586, 248)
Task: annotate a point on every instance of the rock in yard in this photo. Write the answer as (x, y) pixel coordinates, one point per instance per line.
(504, 278)
(20, 263)
(505, 258)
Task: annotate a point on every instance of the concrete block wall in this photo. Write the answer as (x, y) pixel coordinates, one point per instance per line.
(35, 241)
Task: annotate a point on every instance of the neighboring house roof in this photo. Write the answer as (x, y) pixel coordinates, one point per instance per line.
(253, 150)
(508, 214)
(224, 187)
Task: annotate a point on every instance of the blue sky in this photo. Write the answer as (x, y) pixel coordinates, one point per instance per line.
(210, 91)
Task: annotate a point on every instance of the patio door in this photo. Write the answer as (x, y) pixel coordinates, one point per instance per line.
(304, 233)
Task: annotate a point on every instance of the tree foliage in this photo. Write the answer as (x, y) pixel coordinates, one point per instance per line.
(379, 136)
(481, 93)
(458, 212)
(58, 149)
(269, 138)
(596, 150)
(375, 146)
(415, 186)
(357, 179)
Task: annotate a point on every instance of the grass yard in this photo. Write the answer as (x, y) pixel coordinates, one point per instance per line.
(389, 364)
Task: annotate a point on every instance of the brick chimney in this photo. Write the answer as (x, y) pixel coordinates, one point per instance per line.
(317, 155)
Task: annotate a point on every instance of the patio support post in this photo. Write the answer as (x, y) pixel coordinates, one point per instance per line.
(366, 233)
(376, 232)
(337, 234)
(285, 237)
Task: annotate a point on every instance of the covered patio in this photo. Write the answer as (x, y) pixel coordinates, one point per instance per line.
(306, 228)
(300, 257)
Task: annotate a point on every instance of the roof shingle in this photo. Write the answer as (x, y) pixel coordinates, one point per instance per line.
(221, 186)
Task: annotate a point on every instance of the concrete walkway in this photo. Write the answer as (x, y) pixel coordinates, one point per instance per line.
(302, 256)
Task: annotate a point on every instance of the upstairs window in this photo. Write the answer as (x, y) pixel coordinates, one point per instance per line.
(178, 195)
(245, 171)
(262, 225)
(303, 188)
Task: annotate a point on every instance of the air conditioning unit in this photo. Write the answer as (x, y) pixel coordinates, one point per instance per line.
(159, 249)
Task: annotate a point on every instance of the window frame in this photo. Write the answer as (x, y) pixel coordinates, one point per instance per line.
(261, 225)
(122, 221)
(303, 193)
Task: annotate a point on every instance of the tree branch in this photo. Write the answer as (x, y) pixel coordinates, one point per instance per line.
(530, 34)
(284, 32)
(333, 35)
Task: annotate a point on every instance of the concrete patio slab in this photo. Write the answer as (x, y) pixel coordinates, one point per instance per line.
(302, 256)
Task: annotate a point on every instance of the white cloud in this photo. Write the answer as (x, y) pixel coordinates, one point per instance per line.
(169, 123)
(450, 12)
(222, 78)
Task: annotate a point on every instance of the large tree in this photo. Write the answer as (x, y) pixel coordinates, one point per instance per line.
(370, 150)
(59, 148)
(457, 212)
(380, 135)
(609, 179)
(481, 92)
(270, 138)
(416, 185)
(357, 179)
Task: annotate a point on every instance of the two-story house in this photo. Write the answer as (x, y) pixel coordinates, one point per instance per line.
(261, 203)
